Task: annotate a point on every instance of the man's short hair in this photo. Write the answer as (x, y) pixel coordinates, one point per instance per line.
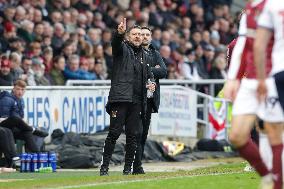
(146, 28)
(133, 27)
(20, 83)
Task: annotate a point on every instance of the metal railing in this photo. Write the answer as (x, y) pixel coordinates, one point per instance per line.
(205, 110)
(211, 83)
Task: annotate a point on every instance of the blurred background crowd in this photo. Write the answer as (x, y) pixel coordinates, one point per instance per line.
(47, 42)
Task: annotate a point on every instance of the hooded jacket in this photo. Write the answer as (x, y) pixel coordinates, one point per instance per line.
(11, 105)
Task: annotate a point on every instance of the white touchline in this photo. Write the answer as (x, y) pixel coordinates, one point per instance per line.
(140, 180)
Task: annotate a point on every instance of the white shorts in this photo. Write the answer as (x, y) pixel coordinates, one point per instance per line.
(246, 100)
(270, 110)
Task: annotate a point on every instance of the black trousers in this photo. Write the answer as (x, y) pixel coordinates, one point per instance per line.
(7, 145)
(143, 137)
(128, 114)
(22, 131)
(16, 122)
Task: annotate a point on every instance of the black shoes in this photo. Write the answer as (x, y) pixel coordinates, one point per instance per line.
(40, 133)
(138, 171)
(13, 162)
(126, 171)
(104, 172)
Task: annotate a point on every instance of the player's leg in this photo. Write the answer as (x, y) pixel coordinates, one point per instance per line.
(264, 146)
(244, 114)
(274, 133)
(240, 138)
(271, 112)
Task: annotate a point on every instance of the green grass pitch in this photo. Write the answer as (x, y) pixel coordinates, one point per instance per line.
(227, 176)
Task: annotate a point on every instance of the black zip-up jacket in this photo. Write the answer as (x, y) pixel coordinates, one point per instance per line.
(123, 72)
(159, 73)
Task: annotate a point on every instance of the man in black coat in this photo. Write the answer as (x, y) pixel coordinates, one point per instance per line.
(159, 70)
(127, 101)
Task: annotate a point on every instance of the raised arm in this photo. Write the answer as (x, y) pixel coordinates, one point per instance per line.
(118, 38)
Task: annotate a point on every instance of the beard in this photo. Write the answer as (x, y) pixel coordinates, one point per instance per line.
(144, 44)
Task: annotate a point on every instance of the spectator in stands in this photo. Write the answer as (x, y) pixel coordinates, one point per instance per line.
(67, 49)
(56, 76)
(37, 16)
(155, 17)
(94, 36)
(69, 26)
(189, 67)
(48, 29)
(106, 36)
(108, 58)
(84, 64)
(205, 38)
(218, 70)
(196, 38)
(91, 63)
(167, 40)
(172, 72)
(28, 75)
(98, 21)
(47, 57)
(56, 17)
(20, 15)
(157, 35)
(38, 70)
(99, 56)
(99, 70)
(82, 21)
(9, 13)
(72, 70)
(165, 52)
(208, 57)
(17, 45)
(26, 31)
(224, 31)
(35, 49)
(57, 39)
(9, 33)
(6, 77)
(16, 69)
(46, 41)
(86, 49)
(90, 18)
(215, 39)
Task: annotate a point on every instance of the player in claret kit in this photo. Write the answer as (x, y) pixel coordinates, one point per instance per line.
(270, 23)
(243, 93)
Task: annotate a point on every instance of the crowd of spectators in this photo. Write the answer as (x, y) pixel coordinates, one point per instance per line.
(47, 42)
